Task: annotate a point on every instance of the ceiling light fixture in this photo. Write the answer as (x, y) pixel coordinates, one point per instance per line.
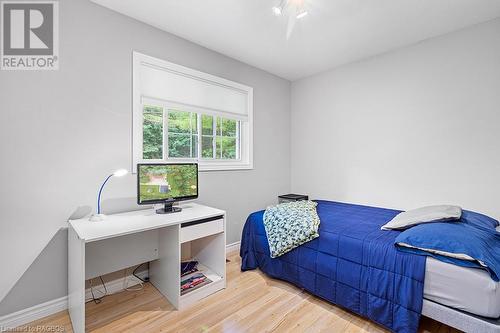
(294, 9)
(278, 11)
(302, 14)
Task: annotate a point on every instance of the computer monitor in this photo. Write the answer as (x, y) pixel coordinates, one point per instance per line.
(166, 183)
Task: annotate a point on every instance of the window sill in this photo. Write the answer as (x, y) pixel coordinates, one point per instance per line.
(223, 167)
(203, 165)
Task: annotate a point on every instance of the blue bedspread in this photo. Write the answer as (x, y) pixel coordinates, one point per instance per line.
(353, 264)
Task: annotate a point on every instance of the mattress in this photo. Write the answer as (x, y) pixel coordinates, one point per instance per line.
(467, 289)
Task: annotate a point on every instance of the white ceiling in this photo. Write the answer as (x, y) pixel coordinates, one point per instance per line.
(335, 32)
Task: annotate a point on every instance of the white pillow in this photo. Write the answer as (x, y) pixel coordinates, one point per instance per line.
(426, 214)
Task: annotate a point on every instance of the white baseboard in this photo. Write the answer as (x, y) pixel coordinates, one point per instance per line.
(234, 247)
(36, 312)
(40, 311)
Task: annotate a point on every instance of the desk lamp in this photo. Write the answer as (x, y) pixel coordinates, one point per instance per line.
(99, 217)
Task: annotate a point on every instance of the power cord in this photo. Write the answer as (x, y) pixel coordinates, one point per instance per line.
(134, 273)
(104, 293)
(95, 299)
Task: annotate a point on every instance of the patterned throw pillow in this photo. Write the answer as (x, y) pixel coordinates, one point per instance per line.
(289, 225)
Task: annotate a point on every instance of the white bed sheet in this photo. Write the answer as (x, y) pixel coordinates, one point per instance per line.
(467, 289)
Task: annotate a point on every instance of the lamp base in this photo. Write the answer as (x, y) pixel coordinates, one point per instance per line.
(97, 217)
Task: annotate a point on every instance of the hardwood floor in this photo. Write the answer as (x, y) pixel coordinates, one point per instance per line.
(252, 302)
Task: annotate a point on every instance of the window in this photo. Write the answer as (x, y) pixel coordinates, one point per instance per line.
(184, 115)
(217, 139)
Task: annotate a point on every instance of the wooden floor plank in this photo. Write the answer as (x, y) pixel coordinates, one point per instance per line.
(252, 302)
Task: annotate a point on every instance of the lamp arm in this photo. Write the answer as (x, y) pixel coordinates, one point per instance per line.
(99, 195)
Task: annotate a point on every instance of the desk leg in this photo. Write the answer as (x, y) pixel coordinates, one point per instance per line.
(76, 281)
(165, 271)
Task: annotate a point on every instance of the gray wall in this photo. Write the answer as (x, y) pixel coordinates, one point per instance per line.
(44, 280)
(416, 126)
(61, 132)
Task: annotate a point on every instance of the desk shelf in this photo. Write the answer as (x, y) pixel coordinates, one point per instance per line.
(217, 283)
(206, 250)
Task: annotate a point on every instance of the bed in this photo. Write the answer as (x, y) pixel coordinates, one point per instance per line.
(355, 265)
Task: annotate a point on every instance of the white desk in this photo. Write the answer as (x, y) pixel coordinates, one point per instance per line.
(128, 239)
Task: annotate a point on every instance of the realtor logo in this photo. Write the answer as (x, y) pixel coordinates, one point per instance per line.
(30, 36)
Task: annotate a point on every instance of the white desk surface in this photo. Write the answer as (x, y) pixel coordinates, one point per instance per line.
(137, 221)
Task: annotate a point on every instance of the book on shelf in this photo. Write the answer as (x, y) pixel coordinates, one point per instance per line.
(188, 267)
(194, 282)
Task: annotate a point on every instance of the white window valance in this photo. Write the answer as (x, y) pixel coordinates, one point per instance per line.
(174, 84)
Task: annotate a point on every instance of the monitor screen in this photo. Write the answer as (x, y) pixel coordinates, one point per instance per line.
(160, 182)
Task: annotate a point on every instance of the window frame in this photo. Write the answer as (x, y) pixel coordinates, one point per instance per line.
(244, 137)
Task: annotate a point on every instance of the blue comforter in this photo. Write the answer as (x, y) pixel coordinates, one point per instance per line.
(352, 264)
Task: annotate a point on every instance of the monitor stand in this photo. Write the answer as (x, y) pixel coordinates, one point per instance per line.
(169, 208)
